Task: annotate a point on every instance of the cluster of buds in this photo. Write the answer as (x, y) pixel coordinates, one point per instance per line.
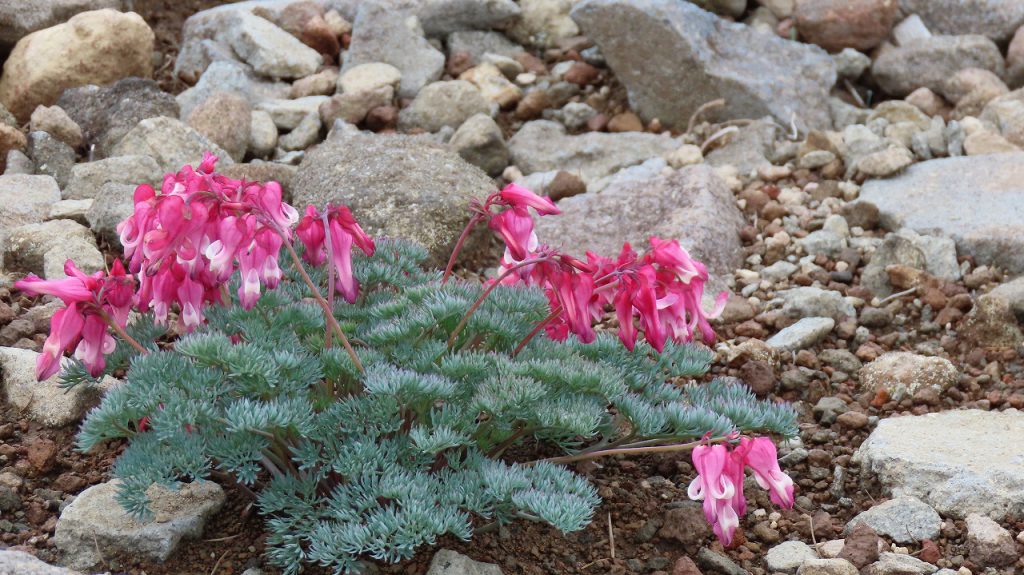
(719, 481)
(93, 303)
(661, 289)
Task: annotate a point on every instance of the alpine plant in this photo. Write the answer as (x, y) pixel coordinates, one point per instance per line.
(370, 424)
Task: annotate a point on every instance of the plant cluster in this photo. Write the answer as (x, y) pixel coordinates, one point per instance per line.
(372, 424)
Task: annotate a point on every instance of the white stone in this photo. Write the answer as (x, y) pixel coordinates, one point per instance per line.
(448, 562)
(45, 401)
(903, 519)
(788, 556)
(270, 51)
(802, 334)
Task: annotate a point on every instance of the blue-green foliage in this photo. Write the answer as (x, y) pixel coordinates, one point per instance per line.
(378, 464)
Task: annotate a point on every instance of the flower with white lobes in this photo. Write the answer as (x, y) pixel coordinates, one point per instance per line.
(344, 232)
(92, 301)
(763, 460)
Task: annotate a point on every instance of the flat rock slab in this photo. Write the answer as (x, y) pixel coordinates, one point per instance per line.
(959, 462)
(95, 526)
(977, 200)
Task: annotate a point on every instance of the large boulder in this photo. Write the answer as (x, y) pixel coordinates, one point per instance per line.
(543, 146)
(930, 62)
(95, 47)
(997, 19)
(959, 462)
(698, 57)
(992, 230)
(94, 527)
(692, 205)
(399, 186)
(382, 33)
(45, 402)
(107, 113)
(19, 19)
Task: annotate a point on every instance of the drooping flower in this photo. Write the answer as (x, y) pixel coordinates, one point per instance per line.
(763, 460)
(91, 300)
(344, 232)
(519, 197)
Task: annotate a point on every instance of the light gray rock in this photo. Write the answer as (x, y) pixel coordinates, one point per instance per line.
(55, 121)
(543, 146)
(910, 29)
(95, 525)
(226, 119)
(476, 43)
(802, 334)
(51, 156)
(480, 142)
(692, 205)
(88, 178)
(113, 204)
(802, 302)
(42, 248)
(19, 164)
(1013, 293)
(262, 134)
(747, 150)
(700, 57)
(25, 199)
(962, 471)
(543, 23)
(441, 17)
(400, 186)
(930, 62)
(851, 64)
(70, 210)
(170, 142)
(107, 113)
(383, 34)
(827, 567)
(988, 543)
(21, 563)
(997, 19)
(270, 51)
(45, 402)
(901, 373)
(899, 564)
(642, 172)
(788, 556)
(935, 255)
(228, 76)
(19, 19)
(903, 519)
(287, 114)
(443, 104)
(302, 136)
(993, 186)
(448, 562)
(1006, 113)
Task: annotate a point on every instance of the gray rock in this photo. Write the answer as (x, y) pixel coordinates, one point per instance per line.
(442, 104)
(262, 134)
(997, 19)
(440, 17)
(899, 564)
(400, 186)
(903, 519)
(113, 204)
(95, 525)
(51, 156)
(382, 34)
(988, 543)
(1013, 293)
(70, 210)
(25, 199)
(700, 57)
(851, 64)
(88, 178)
(302, 136)
(226, 119)
(643, 172)
(270, 51)
(692, 205)
(841, 359)
(287, 114)
(107, 113)
(227, 76)
(55, 121)
(779, 271)
(802, 334)
(901, 373)
(170, 142)
(965, 472)
(747, 150)
(718, 563)
(43, 248)
(45, 402)
(930, 62)
(448, 562)
(19, 164)
(21, 563)
(1006, 113)
(829, 408)
(910, 29)
(575, 115)
(543, 146)
(480, 142)
(543, 23)
(787, 557)
(476, 43)
(993, 186)
(18, 20)
(935, 255)
(827, 567)
(804, 302)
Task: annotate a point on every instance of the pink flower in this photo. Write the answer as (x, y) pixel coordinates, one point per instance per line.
(519, 197)
(82, 325)
(763, 460)
(344, 232)
(715, 484)
(515, 226)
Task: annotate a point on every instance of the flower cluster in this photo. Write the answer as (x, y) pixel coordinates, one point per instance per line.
(661, 289)
(331, 234)
(186, 241)
(719, 482)
(93, 301)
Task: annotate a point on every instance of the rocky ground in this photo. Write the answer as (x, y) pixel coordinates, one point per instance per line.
(852, 170)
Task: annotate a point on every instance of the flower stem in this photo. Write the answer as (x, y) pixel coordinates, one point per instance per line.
(480, 300)
(584, 456)
(123, 334)
(541, 325)
(330, 273)
(328, 312)
(476, 219)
